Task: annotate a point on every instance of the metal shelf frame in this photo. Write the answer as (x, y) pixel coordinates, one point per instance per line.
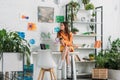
(100, 9)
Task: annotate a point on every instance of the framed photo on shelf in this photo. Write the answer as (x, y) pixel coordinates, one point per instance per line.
(45, 14)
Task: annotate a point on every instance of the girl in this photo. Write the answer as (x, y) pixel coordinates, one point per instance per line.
(66, 41)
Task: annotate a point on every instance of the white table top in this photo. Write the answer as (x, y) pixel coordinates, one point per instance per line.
(54, 52)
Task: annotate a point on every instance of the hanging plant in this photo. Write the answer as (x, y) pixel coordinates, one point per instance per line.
(73, 6)
(85, 2)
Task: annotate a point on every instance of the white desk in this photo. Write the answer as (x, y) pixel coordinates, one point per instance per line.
(36, 70)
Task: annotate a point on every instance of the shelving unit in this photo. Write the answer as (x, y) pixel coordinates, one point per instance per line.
(84, 51)
(85, 61)
(79, 74)
(79, 48)
(84, 22)
(81, 35)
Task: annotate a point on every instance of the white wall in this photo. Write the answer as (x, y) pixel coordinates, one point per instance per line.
(10, 16)
(10, 11)
(111, 18)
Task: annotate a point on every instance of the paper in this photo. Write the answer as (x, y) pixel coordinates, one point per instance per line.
(56, 29)
(32, 41)
(59, 19)
(32, 26)
(21, 34)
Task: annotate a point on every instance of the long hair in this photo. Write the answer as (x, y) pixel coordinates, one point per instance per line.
(67, 31)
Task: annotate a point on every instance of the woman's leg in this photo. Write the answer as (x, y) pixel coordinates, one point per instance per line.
(68, 64)
(68, 58)
(64, 53)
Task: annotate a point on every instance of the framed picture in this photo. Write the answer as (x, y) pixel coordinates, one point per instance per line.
(46, 14)
(55, 1)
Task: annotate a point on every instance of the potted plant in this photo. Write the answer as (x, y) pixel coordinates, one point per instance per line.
(100, 69)
(85, 2)
(92, 28)
(91, 56)
(110, 59)
(75, 6)
(89, 6)
(113, 63)
(93, 17)
(11, 42)
(74, 30)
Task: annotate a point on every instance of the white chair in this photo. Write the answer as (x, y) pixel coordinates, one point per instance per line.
(46, 63)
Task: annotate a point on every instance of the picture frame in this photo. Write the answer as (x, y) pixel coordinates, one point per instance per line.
(55, 1)
(45, 14)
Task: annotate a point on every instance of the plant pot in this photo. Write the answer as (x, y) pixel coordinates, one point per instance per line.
(92, 58)
(100, 73)
(92, 20)
(12, 62)
(114, 74)
(90, 12)
(82, 6)
(74, 32)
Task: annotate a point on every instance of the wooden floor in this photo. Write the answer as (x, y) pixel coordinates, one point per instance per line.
(81, 79)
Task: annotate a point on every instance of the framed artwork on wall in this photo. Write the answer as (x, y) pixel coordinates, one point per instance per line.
(55, 1)
(45, 14)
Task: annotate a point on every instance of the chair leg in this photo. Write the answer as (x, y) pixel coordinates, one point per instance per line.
(77, 58)
(43, 75)
(54, 74)
(51, 74)
(40, 74)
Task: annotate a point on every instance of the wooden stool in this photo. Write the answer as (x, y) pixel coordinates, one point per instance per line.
(42, 71)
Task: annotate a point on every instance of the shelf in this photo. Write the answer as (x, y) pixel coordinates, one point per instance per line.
(58, 53)
(80, 48)
(83, 22)
(77, 35)
(81, 74)
(83, 10)
(85, 61)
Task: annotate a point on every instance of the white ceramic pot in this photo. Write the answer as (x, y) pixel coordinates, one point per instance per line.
(114, 74)
(12, 62)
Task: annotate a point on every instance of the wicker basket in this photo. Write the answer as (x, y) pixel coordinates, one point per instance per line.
(99, 73)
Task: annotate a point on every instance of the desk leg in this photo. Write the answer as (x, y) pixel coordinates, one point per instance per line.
(73, 67)
(35, 69)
